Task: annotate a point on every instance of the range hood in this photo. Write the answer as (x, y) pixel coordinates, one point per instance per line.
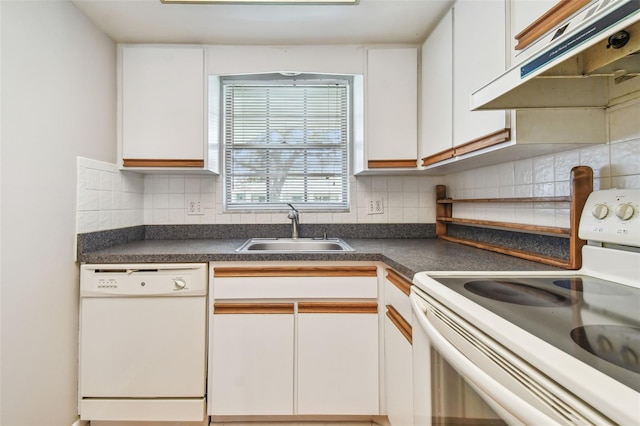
(576, 64)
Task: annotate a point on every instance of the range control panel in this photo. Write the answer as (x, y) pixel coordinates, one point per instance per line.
(612, 216)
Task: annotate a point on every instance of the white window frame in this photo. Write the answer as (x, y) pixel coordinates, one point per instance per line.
(260, 201)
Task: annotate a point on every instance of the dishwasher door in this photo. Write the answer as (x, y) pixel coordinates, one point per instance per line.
(143, 342)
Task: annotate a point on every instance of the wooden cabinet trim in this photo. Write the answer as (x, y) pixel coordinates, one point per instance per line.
(437, 157)
(390, 164)
(399, 281)
(554, 16)
(253, 308)
(337, 308)
(502, 135)
(296, 271)
(401, 324)
(142, 162)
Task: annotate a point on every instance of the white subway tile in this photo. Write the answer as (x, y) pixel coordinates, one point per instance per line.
(625, 158)
(597, 157)
(177, 201)
(160, 201)
(160, 216)
(192, 185)
(176, 216)
(176, 185)
(543, 169)
(161, 184)
(92, 177)
(523, 171)
(563, 163)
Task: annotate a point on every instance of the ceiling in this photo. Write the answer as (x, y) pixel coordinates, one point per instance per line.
(369, 22)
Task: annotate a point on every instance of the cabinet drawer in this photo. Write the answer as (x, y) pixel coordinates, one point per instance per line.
(354, 282)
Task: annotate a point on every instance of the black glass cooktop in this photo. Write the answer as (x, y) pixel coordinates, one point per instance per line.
(594, 320)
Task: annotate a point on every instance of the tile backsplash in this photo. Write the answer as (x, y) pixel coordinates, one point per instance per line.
(405, 199)
(109, 198)
(615, 165)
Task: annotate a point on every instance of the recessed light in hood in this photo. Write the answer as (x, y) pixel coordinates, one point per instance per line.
(576, 68)
(264, 2)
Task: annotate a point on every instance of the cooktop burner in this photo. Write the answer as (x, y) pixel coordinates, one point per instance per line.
(617, 344)
(517, 293)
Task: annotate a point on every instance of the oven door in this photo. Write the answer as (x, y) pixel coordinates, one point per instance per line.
(462, 376)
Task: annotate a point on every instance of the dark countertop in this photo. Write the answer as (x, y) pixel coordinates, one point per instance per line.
(406, 256)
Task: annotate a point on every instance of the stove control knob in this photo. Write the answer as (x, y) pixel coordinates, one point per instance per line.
(624, 211)
(179, 283)
(600, 211)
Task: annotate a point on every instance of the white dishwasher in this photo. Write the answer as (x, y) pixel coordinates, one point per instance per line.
(142, 343)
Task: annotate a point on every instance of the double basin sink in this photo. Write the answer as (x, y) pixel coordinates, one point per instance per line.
(289, 245)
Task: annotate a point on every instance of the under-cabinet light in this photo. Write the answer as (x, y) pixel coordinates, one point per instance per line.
(263, 2)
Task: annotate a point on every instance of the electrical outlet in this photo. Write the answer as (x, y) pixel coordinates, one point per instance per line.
(194, 206)
(374, 206)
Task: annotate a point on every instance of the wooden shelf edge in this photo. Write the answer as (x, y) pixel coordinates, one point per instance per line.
(508, 225)
(506, 200)
(562, 263)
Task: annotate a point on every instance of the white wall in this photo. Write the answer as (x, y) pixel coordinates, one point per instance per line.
(58, 102)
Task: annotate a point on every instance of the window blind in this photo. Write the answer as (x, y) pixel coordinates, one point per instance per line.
(285, 141)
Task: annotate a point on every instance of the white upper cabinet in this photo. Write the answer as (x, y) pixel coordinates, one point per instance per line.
(436, 116)
(162, 108)
(390, 108)
(475, 40)
(478, 56)
(464, 51)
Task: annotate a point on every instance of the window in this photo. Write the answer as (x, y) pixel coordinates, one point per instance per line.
(286, 141)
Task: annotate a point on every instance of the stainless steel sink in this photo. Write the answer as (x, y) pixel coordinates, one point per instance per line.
(288, 245)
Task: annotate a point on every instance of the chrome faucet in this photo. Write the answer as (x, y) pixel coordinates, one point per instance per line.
(294, 215)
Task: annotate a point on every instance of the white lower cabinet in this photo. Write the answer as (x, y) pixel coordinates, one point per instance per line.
(294, 340)
(399, 376)
(252, 358)
(338, 360)
(398, 350)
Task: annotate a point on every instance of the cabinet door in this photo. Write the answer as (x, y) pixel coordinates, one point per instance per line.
(478, 57)
(162, 106)
(436, 127)
(391, 108)
(398, 373)
(251, 367)
(338, 358)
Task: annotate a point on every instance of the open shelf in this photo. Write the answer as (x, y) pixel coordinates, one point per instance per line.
(581, 187)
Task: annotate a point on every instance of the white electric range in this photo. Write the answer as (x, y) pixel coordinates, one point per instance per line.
(555, 347)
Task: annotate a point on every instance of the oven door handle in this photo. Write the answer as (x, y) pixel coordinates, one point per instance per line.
(513, 409)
